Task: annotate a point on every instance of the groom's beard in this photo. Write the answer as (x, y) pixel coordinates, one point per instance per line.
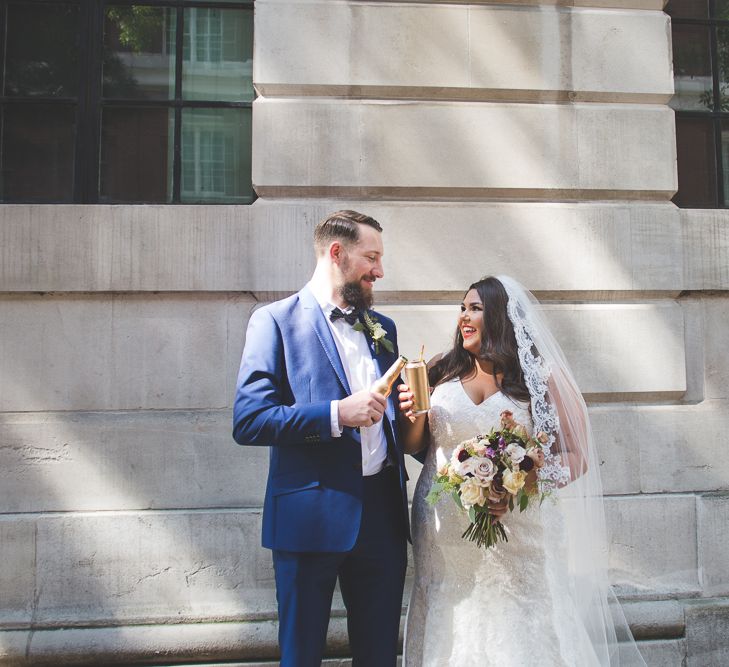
(353, 294)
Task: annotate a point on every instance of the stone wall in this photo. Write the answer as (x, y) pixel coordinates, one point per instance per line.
(529, 140)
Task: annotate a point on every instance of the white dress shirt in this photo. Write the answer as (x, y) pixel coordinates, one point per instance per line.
(361, 372)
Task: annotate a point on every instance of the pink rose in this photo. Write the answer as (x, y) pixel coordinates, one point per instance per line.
(484, 471)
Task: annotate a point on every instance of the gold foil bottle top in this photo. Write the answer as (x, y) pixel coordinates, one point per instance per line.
(384, 384)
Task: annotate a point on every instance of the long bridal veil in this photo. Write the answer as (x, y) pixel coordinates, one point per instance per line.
(576, 540)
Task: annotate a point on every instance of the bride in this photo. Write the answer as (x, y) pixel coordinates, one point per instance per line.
(542, 598)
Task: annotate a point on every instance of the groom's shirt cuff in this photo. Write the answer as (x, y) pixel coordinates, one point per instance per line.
(334, 419)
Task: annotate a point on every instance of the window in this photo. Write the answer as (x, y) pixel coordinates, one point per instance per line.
(113, 101)
(701, 102)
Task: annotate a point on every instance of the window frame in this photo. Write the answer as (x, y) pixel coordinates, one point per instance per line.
(715, 114)
(91, 102)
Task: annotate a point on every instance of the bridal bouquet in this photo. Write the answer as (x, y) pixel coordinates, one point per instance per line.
(491, 466)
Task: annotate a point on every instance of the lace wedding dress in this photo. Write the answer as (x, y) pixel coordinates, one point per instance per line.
(472, 606)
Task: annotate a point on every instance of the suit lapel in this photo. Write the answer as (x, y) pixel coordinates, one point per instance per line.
(383, 361)
(315, 317)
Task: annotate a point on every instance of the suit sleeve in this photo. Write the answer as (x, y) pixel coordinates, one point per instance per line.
(260, 415)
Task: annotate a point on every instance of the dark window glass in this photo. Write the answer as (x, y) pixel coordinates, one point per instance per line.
(38, 152)
(136, 160)
(216, 155)
(139, 52)
(692, 68)
(118, 101)
(688, 9)
(42, 50)
(696, 163)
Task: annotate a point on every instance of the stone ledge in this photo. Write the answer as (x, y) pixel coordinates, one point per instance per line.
(658, 626)
(563, 248)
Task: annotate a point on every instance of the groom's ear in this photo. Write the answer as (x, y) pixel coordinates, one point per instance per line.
(335, 251)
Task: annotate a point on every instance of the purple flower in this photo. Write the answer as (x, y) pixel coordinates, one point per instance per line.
(502, 442)
(490, 452)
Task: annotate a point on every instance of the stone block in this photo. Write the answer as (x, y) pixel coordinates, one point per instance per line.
(62, 462)
(146, 567)
(716, 342)
(664, 652)
(562, 247)
(706, 249)
(680, 446)
(713, 542)
(255, 643)
(707, 627)
(437, 149)
(643, 532)
(65, 352)
(620, 463)
(612, 348)
(461, 52)
(17, 575)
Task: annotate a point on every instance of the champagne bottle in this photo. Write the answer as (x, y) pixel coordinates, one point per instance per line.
(384, 384)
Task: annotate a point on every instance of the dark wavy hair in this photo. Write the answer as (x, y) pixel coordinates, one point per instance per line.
(498, 345)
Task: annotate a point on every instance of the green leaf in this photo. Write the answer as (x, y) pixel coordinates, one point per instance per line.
(523, 502)
(358, 326)
(511, 503)
(457, 497)
(387, 345)
(472, 514)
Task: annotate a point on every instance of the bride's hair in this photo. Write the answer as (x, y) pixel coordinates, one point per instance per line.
(498, 345)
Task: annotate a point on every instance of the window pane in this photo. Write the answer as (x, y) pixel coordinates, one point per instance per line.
(216, 155)
(696, 163)
(136, 155)
(692, 68)
(218, 55)
(42, 52)
(38, 152)
(688, 9)
(139, 52)
(725, 159)
(722, 37)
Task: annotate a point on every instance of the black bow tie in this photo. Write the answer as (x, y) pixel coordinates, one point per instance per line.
(349, 318)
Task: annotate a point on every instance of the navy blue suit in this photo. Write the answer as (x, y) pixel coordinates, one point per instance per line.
(321, 517)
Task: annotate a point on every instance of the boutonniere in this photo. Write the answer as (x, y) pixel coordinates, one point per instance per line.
(375, 331)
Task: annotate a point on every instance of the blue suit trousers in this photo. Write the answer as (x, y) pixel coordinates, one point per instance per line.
(371, 578)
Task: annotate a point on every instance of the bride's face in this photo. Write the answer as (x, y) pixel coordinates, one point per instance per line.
(470, 322)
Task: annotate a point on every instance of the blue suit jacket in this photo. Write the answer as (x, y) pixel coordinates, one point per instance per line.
(289, 374)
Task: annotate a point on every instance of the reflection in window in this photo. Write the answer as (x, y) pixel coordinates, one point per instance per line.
(217, 55)
(139, 52)
(701, 100)
(215, 155)
(151, 105)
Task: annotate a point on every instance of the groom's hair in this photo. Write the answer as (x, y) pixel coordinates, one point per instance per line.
(341, 226)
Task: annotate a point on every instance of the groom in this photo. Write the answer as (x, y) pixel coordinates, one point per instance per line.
(335, 505)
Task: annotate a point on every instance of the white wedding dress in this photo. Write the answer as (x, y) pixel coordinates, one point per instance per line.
(473, 606)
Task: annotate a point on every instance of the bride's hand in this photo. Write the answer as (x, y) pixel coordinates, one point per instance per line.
(405, 397)
(498, 506)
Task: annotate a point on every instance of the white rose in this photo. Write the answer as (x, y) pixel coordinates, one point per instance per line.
(516, 453)
(513, 481)
(472, 493)
(484, 471)
(463, 468)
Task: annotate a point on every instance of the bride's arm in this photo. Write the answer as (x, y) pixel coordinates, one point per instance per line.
(414, 428)
(573, 428)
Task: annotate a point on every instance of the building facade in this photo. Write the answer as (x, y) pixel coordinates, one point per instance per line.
(152, 201)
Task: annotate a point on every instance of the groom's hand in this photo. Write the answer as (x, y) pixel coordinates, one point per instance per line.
(361, 409)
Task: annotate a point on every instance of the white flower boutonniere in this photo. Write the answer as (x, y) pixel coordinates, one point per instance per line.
(375, 331)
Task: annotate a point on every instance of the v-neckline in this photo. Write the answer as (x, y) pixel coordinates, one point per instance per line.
(470, 400)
